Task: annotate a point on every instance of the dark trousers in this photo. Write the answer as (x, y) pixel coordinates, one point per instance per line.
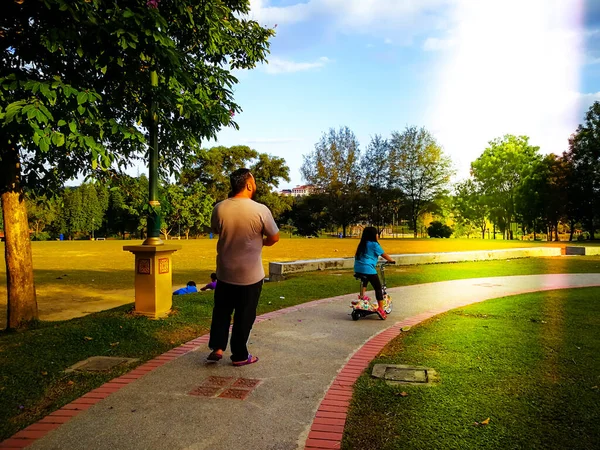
(374, 280)
(243, 300)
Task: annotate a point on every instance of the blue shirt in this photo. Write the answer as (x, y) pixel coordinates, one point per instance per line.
(186, 290)
(368, 260)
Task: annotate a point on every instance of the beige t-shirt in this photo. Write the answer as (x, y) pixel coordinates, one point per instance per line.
(241, 224)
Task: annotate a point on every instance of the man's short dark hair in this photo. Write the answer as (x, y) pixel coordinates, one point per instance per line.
(213, 276)
(191, 283)
(238, 180)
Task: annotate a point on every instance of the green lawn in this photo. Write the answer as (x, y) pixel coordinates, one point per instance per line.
(74, 277)
(529, 363)
(32, 381)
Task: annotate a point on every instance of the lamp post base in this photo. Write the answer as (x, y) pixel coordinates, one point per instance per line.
(153, 241)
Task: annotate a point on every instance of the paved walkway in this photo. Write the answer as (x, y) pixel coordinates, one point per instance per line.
(302, 353)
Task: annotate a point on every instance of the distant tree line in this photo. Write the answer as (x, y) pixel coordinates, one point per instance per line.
(512, 187)
(118, 207)
(403, 179)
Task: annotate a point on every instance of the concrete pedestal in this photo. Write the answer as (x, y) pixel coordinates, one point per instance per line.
(153, 279)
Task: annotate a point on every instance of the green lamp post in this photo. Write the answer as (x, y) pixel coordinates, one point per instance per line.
(153, 259)
(153, 237)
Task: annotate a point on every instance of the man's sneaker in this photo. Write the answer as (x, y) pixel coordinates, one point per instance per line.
(381, 313)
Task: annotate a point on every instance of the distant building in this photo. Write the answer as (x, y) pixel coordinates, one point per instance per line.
(301, 191)
(286, 192)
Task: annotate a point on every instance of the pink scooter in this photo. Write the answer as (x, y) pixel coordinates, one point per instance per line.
(364, 307)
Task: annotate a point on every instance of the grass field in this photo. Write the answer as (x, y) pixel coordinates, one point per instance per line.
(32, 363)
(77, 277)
(528, 363)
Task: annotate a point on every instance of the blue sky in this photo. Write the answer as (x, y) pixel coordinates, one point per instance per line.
(467, 70)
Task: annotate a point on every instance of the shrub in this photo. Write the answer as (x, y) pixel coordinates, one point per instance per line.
(41, 236)
(439, 230)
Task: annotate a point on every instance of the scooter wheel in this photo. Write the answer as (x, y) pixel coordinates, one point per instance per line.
(389, 309)
(355, 315)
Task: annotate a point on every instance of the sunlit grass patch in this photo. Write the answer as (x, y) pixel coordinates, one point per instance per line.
(528, 363)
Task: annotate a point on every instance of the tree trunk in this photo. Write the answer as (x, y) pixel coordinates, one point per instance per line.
(572, 231)
(22, 304)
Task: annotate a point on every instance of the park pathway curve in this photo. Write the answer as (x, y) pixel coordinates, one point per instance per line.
(304, 353)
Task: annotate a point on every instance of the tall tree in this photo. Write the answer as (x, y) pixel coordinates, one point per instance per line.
(381, 200)
(213, 166)
(334, 169)
(584, 150)
(419, 169)
(75, 84)
(41, 212)
(471, 205)
(500, 169)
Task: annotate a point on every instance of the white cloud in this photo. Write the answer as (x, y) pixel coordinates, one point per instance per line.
(387, 41)
(526, 81)
(365, 16)
(277, 66)
(435, 44)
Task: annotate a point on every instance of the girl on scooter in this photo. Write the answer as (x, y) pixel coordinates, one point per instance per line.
(365, 262)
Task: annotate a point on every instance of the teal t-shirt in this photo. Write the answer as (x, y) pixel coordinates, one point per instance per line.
(367, 262)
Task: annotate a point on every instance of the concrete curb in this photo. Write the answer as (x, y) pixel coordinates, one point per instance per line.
(278, 270)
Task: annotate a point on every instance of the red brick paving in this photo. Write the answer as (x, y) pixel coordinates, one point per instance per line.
(205, 391)
(238, 394)
(218, 381)
(245, 383)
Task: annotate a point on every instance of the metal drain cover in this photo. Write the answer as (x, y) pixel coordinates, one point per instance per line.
(99, 364)
(403, 374)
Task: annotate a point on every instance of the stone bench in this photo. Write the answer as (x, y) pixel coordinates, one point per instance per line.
(582, 251)
(278, 270)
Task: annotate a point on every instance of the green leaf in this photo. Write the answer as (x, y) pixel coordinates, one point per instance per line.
(81, 109)
(44, 145)
(73, 126)
(128, 13)
(58, 139)
(61, 123)
(103, 70)
(82, 98)
(80, 52)
(36, 138)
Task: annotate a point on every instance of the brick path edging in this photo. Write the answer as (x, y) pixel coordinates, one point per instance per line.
(39, 429)
(328, 425)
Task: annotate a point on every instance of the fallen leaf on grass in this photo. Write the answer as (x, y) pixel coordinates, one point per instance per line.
(70, 382)
(482, 423)
(114, 344)
(402, 394)
(44, 373)
(87, 338)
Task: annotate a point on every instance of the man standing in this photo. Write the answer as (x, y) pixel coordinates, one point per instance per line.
(241, 224)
